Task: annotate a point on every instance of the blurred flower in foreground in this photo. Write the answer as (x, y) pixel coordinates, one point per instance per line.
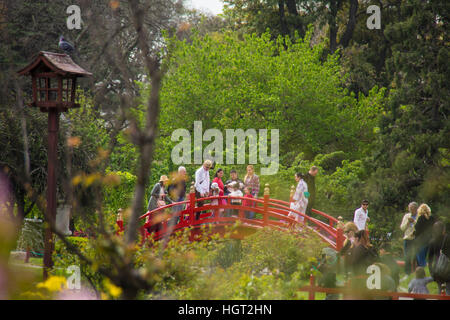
(53, 284)
(73, 142)
(82, 294)
(112, 290)
(114, 4)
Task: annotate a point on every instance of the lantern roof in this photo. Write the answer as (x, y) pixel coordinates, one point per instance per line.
(59, 63)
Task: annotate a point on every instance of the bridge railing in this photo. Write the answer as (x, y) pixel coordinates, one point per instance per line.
(349, 293)
(273, 213)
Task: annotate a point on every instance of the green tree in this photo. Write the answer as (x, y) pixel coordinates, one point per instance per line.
(257, 83)
(410, 158)
(288, 17)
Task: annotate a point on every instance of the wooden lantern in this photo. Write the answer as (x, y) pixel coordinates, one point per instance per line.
(54, 79)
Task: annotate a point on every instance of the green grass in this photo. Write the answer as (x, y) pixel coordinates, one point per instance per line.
(25, 278)
(403, 285)
(34, 261)
(303, 295)
(36, 273)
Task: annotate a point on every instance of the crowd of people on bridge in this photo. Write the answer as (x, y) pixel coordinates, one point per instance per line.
(173, 190)
(425, 239)
(167, 191)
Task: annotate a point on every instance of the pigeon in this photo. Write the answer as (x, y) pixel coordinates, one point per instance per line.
(65, 46)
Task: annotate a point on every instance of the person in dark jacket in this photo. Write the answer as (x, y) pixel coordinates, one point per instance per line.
(159, 193)
(422, 234)
(233, 178)
(158, 198)
(177, 192)
(345, 253)
(363, 255)
(440, 241)
(177, 187)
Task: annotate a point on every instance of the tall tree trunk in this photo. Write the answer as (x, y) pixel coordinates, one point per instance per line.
(283, 24)
(292, 9)
(334, 7)
(146, 156)
(347, 36)
(146, 138)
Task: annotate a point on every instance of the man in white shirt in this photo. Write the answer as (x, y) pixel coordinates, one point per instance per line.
(202, 181)
(362, 215)
(407, 226)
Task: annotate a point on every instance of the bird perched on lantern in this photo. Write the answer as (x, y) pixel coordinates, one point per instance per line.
(67, 47)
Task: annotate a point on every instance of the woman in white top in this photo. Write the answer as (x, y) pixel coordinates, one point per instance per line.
(300, 200)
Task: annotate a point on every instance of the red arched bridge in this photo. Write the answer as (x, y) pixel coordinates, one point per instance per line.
(167, 220)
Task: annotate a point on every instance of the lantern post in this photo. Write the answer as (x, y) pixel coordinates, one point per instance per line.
(53, 88)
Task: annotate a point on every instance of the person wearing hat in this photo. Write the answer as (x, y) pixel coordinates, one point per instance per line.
(158, 198)
(159, 195)
(201, 185)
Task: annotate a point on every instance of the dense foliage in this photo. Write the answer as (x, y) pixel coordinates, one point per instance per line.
(368, 107)
(267, 265)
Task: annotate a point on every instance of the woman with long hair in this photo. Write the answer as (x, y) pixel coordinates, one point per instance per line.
(423, 233)
(251, 180)
(348, 246)
(218, 179)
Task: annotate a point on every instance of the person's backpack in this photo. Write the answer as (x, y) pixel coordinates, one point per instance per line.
(442, 267)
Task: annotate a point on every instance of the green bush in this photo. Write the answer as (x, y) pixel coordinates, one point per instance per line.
(329, 162)
(63, 258)
(227, 253)
(269, 264)
(117, 193)
(79, 242)
(281, 252)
